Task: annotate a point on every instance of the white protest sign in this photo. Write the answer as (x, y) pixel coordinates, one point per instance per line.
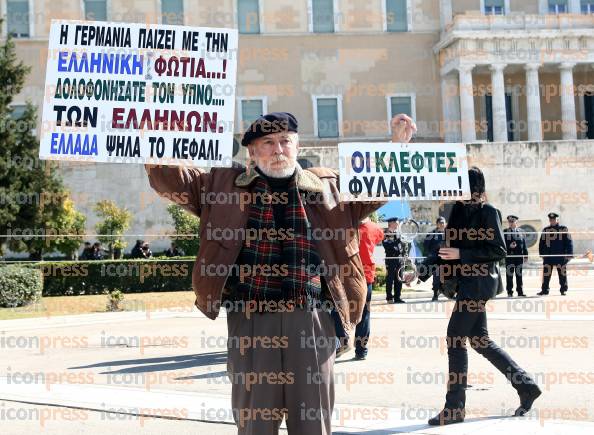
(139, 93)
(414, 171)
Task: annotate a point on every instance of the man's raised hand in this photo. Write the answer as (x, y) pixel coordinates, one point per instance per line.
(403, 127)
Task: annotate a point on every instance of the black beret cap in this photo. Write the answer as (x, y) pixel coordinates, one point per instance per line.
(440, 219)
(275, 122)
(393, 219)
(512, 217)
(553, 215)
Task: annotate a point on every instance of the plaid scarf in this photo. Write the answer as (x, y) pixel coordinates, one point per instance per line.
(297, 276)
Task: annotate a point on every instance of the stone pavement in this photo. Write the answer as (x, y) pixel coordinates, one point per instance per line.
(164, 372)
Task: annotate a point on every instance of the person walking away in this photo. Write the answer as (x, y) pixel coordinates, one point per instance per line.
(370, 234)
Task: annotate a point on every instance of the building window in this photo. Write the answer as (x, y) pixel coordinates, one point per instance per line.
(494, 7)
(17, 111)
(17, 17)
(172, 12)
(396, 15)
(587, 6)
(327, 116)
(558, 6)
(248, 15)
(401, 104)
(251, 109)
(95, 10)
(322, 16)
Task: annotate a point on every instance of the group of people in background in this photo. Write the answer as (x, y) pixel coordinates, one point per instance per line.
(92, 251)
(555, 247)
(140, 250)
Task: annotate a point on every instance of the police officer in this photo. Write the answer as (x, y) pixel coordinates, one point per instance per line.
(556, 248)
(435, 240)
(395, 249)
(515, 243)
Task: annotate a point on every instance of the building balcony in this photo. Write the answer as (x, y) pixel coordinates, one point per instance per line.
(473, 21)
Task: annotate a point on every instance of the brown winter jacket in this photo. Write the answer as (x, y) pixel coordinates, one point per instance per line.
(336, 222)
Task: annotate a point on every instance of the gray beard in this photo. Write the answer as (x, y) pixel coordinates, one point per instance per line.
(278, 173)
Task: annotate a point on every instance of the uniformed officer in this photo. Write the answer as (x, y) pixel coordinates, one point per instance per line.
(556, 248)
(395, 250)
(517, 252)
(431, 245)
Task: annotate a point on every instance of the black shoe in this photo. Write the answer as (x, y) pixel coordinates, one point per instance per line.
(563, 293)
(542, 293)
(360, 357)
(510, 295)
(389, 300)
(527, 398)
(434, 299)
(399, 301)
(521, 295)
(342, 350)
(447, 416)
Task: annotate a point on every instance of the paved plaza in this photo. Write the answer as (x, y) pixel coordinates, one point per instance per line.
(165, 371)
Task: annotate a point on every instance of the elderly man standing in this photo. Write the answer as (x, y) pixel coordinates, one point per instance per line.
(281, 276)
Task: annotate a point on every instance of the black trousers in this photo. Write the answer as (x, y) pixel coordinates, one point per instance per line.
(363, 328)
(436, 283)
(392, 280)
(547, 272)
(512, 269)
(469, 323)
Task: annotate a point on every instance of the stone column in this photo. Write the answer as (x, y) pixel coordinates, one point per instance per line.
(533, 102)
(446, 14)
(568, 102)
(498, 101)
(467, 119)
(574, 7)
(450, 101)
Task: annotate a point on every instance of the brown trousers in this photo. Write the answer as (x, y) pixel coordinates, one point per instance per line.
(281, 365)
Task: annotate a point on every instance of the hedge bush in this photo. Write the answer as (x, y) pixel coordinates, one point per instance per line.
(104, 276)
(380, 279)
(19, 285)
(70, 278)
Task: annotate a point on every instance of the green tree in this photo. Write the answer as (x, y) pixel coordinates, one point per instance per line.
(32, 196)
(14, 176)
(48, 225)
(376, 217)
(115, 221)
(185, 223)
(70, 221)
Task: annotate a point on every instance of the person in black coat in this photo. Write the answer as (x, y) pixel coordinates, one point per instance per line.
(433, 241)
(87, 253)
(556, 248)
(137, 250)
(174, 251)
(515, 244)
(474, 246)
(97, 251)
